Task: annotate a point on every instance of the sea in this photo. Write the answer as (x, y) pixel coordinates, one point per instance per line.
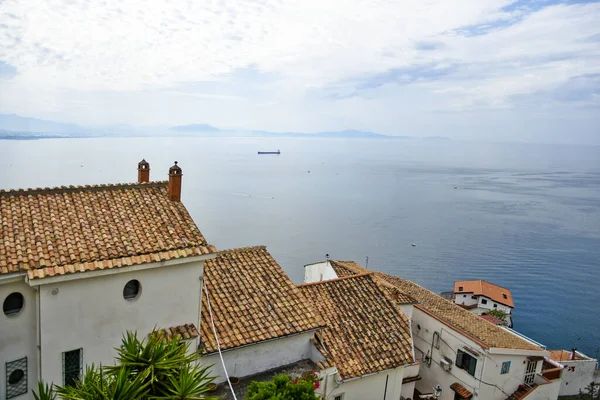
(523, 216)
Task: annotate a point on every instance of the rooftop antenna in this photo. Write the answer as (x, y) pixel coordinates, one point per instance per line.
(367, 263)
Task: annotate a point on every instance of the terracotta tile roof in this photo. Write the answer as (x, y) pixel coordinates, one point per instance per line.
(461, 390)
(345, 268)
(62, 230)
(483, 288)
(366, 331)
(486, 334)
(492, 319)
(348, 268)
(185, 332)
(252, 300)
(563, 355)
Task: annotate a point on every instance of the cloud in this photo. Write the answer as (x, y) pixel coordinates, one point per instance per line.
(279, 62)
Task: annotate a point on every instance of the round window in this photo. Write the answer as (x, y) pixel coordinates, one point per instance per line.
(132, 290)
(16, 376)
(13, 304)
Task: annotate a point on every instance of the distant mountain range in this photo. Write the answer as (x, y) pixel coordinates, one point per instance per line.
(13, 126)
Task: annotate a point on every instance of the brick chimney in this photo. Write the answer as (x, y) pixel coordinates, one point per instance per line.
(174, 189)
(143, 171)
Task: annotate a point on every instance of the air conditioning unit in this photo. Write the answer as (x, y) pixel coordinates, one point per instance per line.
(446, 364)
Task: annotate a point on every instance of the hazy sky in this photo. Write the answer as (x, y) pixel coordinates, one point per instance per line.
(489, 69)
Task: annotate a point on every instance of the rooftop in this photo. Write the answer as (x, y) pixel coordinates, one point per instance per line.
(252, 300)
(366, 331)
(483, 288)
(61, 230)
(485, 333)
(564, 355)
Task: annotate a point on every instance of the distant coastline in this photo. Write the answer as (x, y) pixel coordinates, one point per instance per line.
(16, 127)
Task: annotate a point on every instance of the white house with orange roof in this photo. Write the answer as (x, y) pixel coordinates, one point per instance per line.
(479, 297)
(462, 356)
(81, 265)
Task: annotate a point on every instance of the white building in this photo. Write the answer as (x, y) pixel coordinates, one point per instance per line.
(466, 356)
(261, 319)
(480, 296)
(579, 370)
(366, 348)
(81, 265)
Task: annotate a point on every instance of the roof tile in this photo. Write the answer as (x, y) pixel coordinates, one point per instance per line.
(66, 229)
(252, 300)
(366, 331)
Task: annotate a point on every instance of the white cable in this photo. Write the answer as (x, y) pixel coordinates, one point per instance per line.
(212, 321)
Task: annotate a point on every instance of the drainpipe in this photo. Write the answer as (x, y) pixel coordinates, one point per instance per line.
(38, 323)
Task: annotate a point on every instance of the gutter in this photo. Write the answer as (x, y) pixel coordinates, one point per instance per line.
(12, 277)
(117, 270)
(374, 373)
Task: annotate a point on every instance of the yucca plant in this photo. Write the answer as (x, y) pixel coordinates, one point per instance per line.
(151, 369)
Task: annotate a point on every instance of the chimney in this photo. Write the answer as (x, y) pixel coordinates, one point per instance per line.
(573, 350)
(174, 189)
(143, 171)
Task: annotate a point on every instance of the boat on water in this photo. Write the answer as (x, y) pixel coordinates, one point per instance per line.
(270, 152)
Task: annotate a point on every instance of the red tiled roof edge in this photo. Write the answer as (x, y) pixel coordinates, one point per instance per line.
(73, 189)
(39, 273)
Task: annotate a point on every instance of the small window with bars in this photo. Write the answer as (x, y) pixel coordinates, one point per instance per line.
(16, 378)
(72, 366)
(339, 397)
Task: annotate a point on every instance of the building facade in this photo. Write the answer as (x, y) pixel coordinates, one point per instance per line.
(79, 266)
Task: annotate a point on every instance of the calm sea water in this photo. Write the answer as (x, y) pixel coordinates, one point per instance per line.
(523, 216)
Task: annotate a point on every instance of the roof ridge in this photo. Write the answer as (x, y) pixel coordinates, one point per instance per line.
(336, 279)
(80, 188)
(245, 249)
(483, 280)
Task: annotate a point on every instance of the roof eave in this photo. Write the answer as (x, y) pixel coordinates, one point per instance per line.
(263, 341)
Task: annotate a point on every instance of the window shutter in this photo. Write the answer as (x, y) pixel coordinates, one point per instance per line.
(472, 365)
(459, 359)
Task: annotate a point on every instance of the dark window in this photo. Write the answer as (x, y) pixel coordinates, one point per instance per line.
(504, 295)
(466, 361)
(483, 301)
(72, 366)
(13, 303)
(132, 289)
(16, 378)
(474, 297)
(460, 288)
(495, 305)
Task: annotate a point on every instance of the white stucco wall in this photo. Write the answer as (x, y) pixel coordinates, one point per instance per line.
(250, 360)
(92, 314)
(490, 305)
(449, 342)
(372, 387)
(546, 391)
(581, 377)
(465, 298)
(504, 384)
(486, 384)
(18, 335)
(318, 272)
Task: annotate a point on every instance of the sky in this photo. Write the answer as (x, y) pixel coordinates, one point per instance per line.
(466, 69)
